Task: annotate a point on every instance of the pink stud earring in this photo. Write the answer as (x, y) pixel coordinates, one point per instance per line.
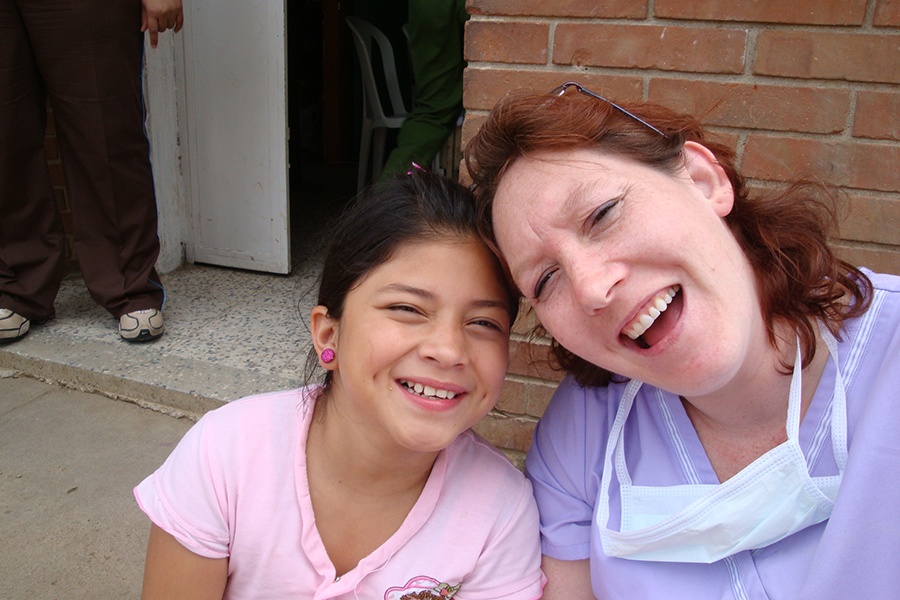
(327, 355)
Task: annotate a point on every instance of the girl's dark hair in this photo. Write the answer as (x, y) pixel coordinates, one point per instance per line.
(784, 234)
(416, 207)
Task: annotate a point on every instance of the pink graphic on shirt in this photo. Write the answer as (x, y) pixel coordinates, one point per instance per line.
(422, 588)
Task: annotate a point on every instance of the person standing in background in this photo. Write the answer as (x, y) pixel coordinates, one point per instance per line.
(87, 57)
(436, 52)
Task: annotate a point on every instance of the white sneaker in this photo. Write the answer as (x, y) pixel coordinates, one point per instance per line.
(141, 325)
(13, 326)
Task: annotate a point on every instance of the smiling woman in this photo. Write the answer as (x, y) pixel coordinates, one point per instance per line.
(370, 484)
(714, 344)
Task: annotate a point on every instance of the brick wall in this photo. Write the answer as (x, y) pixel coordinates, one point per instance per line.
(798, 88)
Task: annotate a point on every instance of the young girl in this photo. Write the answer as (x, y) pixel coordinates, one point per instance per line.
(370, 485)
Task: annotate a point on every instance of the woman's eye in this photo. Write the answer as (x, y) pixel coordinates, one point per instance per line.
(601, 212)
(542, 283)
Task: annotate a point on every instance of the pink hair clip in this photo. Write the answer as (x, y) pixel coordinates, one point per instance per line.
(416, 165)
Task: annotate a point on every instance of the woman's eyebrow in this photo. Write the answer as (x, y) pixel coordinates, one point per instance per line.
(585, 191)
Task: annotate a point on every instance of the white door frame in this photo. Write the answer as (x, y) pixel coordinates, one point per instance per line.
(164, 97)
(219, 87)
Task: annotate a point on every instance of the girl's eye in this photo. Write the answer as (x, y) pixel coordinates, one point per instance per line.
(488, 324)
(403, 308)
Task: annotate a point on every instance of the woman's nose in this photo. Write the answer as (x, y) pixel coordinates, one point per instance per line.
(594, 284)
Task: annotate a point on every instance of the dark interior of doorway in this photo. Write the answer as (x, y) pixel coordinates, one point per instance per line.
(318, 188)
(324, 106)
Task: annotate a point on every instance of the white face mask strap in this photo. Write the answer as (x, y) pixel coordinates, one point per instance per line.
(616, 446)
(838, 404)
(794, 399)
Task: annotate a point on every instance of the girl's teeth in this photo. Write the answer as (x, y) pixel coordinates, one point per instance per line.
(643, 322)
(426, 390)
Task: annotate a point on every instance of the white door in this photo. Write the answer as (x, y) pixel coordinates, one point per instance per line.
(236, 122)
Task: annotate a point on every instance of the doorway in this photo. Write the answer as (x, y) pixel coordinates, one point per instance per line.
(320, 182)
(324, 106)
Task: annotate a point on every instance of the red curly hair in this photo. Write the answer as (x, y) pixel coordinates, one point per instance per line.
(784, 234)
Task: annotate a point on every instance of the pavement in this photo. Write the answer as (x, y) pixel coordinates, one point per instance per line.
(69, 525)
(85, 416)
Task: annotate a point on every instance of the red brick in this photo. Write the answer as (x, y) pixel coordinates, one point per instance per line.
(813, 12)
(887, 13)
(877, 115)
(532, 360)
(512, 398)
(832, 55)
(525, 398)
(506, 432)
(846, 164)
(538, 397)
(869, 218)
(526, 319)
(507, 42)
(730, 139)
(881, 259)
(608, 9)
(483, 87)
(782, 108)
(689, 49)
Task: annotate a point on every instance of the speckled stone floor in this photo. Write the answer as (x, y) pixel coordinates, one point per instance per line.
(229, 332)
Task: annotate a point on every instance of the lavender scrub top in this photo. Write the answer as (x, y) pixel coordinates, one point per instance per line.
(854, 554)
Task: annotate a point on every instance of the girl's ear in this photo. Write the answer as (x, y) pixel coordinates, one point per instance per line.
(709, 177)
(324, 335)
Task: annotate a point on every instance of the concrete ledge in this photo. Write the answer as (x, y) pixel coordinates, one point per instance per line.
(173, 385)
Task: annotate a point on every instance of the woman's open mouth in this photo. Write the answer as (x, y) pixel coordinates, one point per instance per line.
(653, 320)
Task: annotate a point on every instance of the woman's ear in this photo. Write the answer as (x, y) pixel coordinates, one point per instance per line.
(324, 335)
(709, 177)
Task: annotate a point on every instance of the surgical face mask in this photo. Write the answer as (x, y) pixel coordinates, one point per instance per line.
(767, 501)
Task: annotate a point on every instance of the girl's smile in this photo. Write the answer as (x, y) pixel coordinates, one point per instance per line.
(421, 346)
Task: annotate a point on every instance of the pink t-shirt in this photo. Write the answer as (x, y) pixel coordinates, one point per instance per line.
(236, 487)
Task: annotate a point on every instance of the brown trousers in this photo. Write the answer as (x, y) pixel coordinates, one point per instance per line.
(87, 57)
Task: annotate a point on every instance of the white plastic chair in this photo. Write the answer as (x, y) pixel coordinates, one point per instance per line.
(375, 122)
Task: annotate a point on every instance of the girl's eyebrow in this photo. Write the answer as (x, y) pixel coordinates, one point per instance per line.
(401, 287)
(426, 295)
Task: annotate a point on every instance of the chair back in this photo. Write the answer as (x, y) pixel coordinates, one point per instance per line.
(364, 36)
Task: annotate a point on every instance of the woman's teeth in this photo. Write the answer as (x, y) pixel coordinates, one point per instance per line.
(651, 312)
(424, 390)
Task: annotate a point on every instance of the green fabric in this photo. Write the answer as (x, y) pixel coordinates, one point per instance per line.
(436, 52)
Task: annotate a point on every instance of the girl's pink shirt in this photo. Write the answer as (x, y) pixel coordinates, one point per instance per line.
(236, 487)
